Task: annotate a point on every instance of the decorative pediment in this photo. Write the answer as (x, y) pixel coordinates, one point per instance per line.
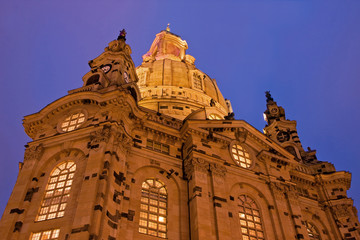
(227, 131)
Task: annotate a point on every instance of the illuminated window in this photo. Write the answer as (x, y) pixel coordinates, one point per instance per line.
(46, 235)
(241, 156)
(312, 231)
(57, 192)
(250, 219)
(153, 209)
(72, 122)
(214, 117)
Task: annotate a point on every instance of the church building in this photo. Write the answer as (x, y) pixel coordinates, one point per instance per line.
(154, 152)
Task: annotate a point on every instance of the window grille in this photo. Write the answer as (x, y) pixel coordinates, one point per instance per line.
(46, 235)
(241, 156)
(153, 209)
(72, 122)
(57, 191)
(250, 219)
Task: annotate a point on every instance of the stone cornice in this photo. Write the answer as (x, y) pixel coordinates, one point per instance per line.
(334, 178)
(162, 119)
(161, 133)
(302, 178)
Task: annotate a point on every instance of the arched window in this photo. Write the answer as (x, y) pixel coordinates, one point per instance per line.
(153, 208)
(312, 231)
(250, 219)
(57, 191)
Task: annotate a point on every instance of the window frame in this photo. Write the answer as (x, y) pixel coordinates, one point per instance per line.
(55, 205)
(157, 146)
(39, 237)
(153, 198)
(194, 86)
(245, 150)
(246, 215)
(69, 115)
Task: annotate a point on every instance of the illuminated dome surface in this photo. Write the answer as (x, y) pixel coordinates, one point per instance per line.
(170, 83)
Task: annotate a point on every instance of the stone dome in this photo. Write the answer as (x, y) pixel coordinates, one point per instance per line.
(170, 83)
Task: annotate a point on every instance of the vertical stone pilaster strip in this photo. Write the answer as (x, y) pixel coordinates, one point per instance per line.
(197, 170)
(281, 206)
(92, 189)
(221, 208)
(295, 211)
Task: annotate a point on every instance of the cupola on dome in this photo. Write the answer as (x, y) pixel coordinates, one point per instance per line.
(170, 83)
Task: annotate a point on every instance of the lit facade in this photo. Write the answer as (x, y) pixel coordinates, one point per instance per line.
(154, 152)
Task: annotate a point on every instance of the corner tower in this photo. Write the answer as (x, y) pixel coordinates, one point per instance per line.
(170, 83)
(327, 186)
(114, 68)
(72, 175)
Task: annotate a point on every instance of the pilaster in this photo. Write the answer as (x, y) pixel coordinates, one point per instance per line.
(196, 170)
(278, 191)
(218, 174)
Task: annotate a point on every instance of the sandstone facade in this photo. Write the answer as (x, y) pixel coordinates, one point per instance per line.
(154, 152)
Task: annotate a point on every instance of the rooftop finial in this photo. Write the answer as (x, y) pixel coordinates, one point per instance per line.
(268, 97)
(122, 35)
(168, 27)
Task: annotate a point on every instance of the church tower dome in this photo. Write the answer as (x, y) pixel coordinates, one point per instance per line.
(170, 83)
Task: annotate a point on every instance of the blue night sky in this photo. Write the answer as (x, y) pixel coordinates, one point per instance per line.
(306, 52)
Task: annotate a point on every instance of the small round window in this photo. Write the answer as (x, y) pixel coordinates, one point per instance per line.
(241, 156)
(72, 122)
(214, 116)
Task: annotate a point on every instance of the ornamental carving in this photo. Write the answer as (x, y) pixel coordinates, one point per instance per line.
(33, 152)
(292, 194)
(217, 170)
(241, 135)
(123, 140)
(341, 210)
(119, 45)
(101, 135)
(195, 164)
(277, 189)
